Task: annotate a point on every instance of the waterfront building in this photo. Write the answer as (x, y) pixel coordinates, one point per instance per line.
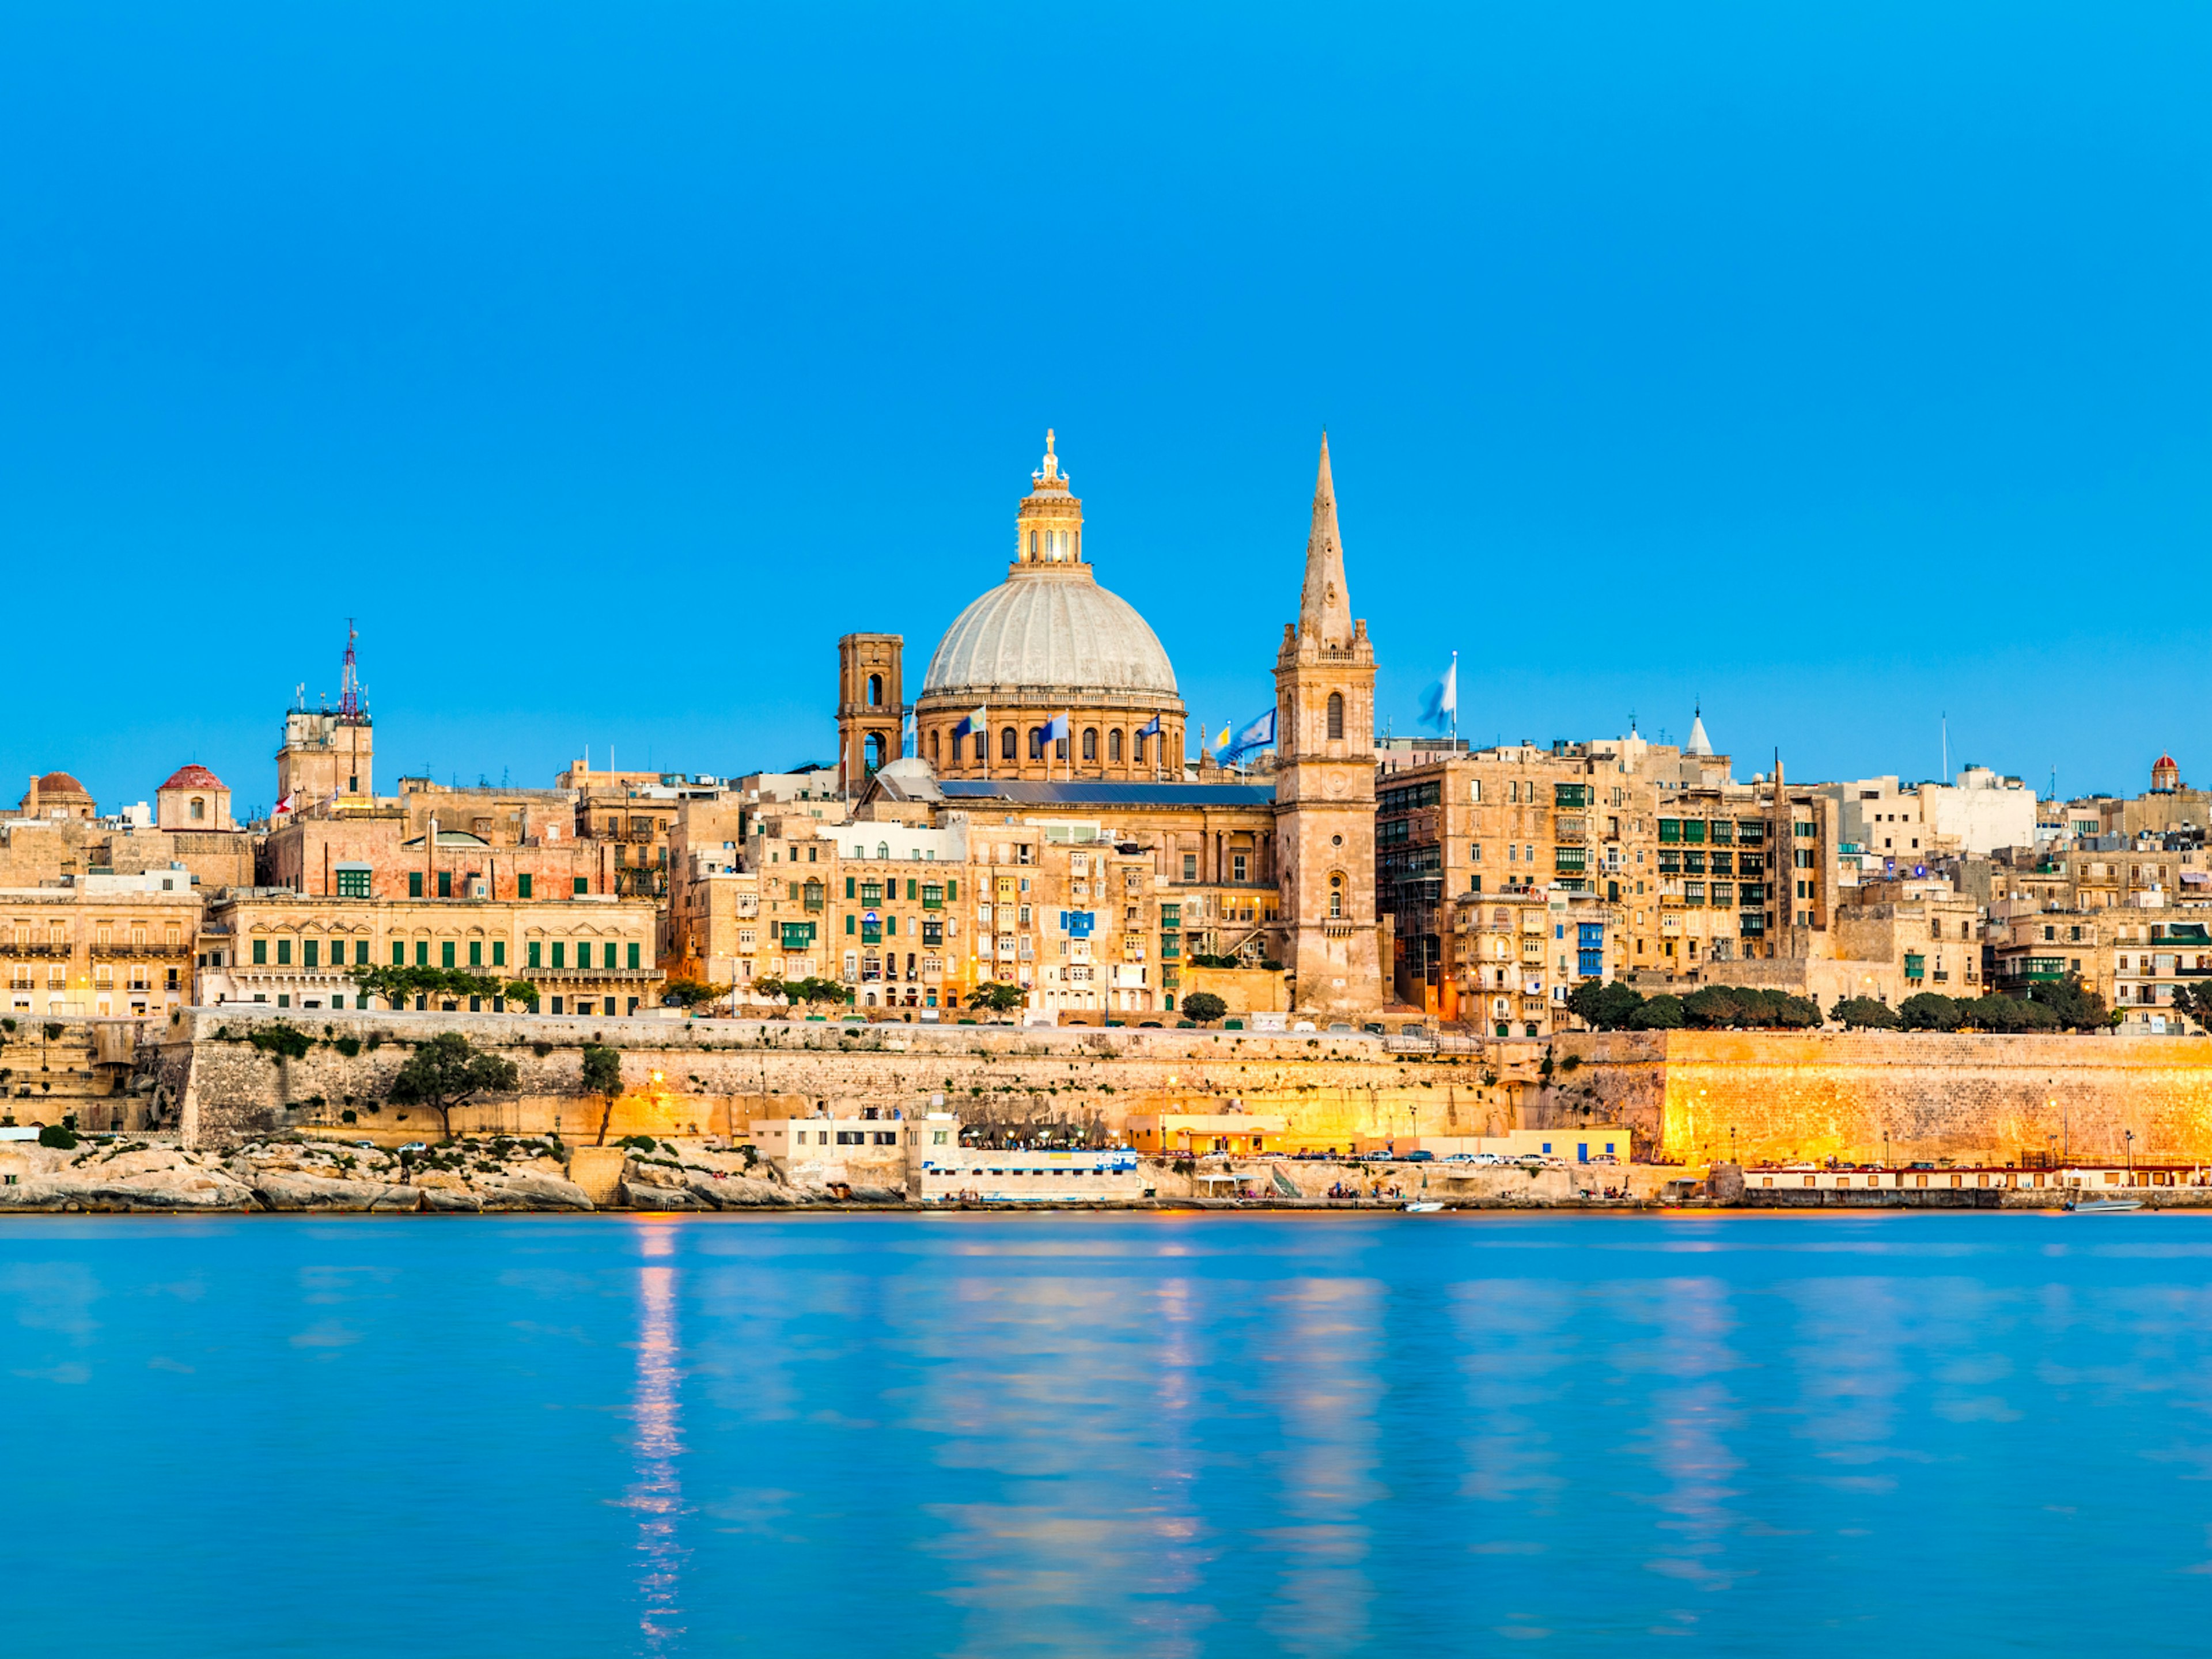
(99, 945)
(587, 953)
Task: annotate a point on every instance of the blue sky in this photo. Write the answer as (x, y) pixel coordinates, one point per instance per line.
(1840, 368)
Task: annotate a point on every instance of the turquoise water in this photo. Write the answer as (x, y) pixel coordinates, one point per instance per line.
(1106, 1435)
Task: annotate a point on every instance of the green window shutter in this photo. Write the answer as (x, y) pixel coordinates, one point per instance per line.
(530, 954)
(260, 952)
(583, 884)
(952, 891)
(522, 886)
(446, 953)
(398, 953)
(632, 955)
(560, 954)
(848, 921)
(848, 887)
(476, 953)
(421, 953)
(310, 952)
(414, 883)
(284, 952)
(911, 890)
(499, 953)
(794, 890)
(445, 883)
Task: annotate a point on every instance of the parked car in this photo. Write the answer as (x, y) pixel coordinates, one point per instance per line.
(1303, 1025)
(1342, 1028)
(416, 1147)
(1419, 1156)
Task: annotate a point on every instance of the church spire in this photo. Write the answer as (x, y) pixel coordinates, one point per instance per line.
(1324, 607)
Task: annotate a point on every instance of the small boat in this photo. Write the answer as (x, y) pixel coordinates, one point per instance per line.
(2103, 1206)
(1422, 1207)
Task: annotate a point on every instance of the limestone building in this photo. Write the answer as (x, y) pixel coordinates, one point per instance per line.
(586, 954)
(1047, 642)
(99, 944)
(1097, 865)
(1325, 781)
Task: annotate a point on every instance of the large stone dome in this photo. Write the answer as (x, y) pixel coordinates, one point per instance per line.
(1050, 628)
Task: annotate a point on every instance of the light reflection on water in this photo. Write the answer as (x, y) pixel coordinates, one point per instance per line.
(1067, 1435)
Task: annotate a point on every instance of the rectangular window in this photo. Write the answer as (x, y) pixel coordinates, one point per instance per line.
(530, 954)
(583, 884)
(445, 953)
(632, 955)
(353, 883)
(284, 952)
(852, 922)
(398, 953)
(499, 953)
(1693, 829)
(584, 954)
(361, 953)
(1670, 830)
(850, 882)
(911, 890)
(476, 953)
(421, 953)
(871, 892)
(1190, 866)
(560, 954)
(311, 953)
(445, 883)
(260, 952)
(1572, 795)
(522, 886)
(414, 883)
(952, 891)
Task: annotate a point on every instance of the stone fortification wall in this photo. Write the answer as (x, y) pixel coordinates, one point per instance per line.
(1784, 1097)
(1693, 1097)
(716, 1077)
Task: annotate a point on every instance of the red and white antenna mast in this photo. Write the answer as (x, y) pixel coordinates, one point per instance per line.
(349, 704)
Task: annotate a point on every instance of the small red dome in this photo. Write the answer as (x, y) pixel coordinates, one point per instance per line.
(194, 777)
(61, 783)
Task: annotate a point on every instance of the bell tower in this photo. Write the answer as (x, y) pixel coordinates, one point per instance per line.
(1325, 783)
(870, 706)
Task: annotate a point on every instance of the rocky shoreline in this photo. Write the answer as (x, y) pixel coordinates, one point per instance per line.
(507, 1175)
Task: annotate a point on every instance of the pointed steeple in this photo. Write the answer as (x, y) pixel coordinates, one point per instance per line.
(1699, 744)
(1324, 606)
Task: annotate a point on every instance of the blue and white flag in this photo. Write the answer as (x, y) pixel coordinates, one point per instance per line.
(1151, 728)
(1056, 727)
(906, 735)
(971, 724)
(1258, 734)
(1440, 703)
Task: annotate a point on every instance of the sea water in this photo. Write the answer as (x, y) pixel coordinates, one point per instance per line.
(1112, 1435)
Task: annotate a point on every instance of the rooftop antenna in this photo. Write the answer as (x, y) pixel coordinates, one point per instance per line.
(1944, 776)
(349, 703)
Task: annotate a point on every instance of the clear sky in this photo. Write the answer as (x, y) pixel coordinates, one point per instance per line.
(1842, 367)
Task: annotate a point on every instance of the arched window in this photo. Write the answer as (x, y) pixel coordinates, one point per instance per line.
(1336, 713)
(1113, 746)
(1091, 743)
(933, 748)
(1036, 743)
(198, 809)
(875, 691)
(1335, 896)
(1006, 745)
(872, 751)
(1033, 544)
(1059, 748)
(982, 746)
(883, 849)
